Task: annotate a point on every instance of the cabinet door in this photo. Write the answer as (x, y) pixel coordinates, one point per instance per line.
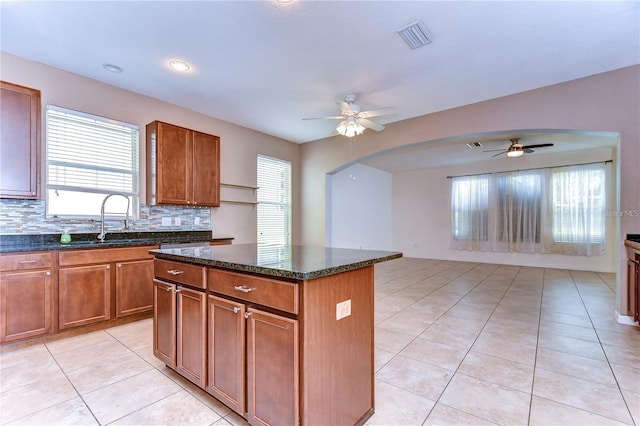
(173, 165)
(206, 170)
(226, 339)
(191, 335)
(134, 287)
(19, 142)
(85, 295)
(164, 322)
(25, 305)
(272, 369)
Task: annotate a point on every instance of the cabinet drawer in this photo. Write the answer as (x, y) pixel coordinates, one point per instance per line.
(16, 262)
(275, 294)
(179, 272)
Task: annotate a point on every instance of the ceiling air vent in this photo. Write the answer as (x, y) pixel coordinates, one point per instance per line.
(415, 35)
(474, 144)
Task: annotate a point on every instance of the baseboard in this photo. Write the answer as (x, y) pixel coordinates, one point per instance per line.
(624, 319)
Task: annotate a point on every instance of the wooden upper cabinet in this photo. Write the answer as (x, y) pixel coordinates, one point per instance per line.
(19, 142)
(183, 166)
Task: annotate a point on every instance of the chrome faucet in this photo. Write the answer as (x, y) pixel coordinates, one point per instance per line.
(103, 233)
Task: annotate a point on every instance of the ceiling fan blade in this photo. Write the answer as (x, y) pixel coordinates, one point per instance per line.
(335, 117)
(494, 150)
(528, 150)
(377, 112)
(370, 124)
(542, 145)
(344, 107)
(500, 153)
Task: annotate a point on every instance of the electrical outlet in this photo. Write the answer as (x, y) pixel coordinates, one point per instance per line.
(343, 309)
(196, 220)
(177, 221)
(166, 221)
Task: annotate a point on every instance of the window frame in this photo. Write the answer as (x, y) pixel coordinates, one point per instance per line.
(262, 201)
(134, 194)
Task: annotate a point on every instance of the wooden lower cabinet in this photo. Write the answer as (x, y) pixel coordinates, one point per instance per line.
(84, 295)
(226, 345)
(164, 322)
(134, 287)
(272, 369)
(25, 304)
(191, 326)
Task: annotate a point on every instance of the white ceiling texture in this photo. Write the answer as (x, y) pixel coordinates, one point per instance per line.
(266, 65)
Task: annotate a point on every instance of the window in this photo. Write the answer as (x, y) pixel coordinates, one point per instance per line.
(470, 207)
(578, 197)
(89, 157)
(554, 210)
(274, 201)
(519, 207)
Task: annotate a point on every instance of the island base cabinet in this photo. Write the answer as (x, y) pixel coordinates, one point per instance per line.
(164, 322)
(226, 337)
(25, 305)
(84, 293)
(272, 369)
(191, 326)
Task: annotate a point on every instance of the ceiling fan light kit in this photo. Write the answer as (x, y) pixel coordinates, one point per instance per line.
(350, 127)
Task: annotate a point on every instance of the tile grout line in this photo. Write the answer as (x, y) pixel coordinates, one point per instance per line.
(603, 351)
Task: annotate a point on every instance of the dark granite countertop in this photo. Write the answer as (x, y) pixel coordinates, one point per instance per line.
(289, 261)
(10, 243)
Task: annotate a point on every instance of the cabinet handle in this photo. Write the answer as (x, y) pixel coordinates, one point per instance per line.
(108, 266)
(168, 288)
(236, 310)
(247, 314)
(243, 288)
(175, 272)
(24, 262)
(48, 274)
(119, 265)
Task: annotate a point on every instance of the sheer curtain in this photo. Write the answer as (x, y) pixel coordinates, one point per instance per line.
(519, 207)
(553, 210)
(578, 210)
(470, 212)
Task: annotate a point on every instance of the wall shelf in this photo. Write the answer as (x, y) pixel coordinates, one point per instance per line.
(233, 185)
(239, 187)
(249, 203)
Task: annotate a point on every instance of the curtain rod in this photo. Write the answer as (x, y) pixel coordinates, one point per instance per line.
(533, 168)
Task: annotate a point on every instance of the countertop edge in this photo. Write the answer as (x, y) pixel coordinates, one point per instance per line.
(632, 244)
(107, 244)
(277, 272)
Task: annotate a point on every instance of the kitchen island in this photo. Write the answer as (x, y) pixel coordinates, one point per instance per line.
(282, 335)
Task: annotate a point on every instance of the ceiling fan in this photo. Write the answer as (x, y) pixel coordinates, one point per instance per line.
(354, 120)
(516, 149)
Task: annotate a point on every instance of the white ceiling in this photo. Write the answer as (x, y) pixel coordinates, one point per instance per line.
(266, 65)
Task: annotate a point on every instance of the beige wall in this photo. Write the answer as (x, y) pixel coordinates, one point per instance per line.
(603, 102)
(239, 145)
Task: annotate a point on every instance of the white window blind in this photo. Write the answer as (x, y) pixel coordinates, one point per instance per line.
(89, 157)
(274, 201)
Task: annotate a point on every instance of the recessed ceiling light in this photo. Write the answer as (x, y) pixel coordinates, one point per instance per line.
(112, 68)
(179, 65)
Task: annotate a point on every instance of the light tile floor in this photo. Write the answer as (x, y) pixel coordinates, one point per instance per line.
(456, 343)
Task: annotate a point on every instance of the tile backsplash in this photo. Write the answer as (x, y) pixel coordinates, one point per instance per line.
(28, 217)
